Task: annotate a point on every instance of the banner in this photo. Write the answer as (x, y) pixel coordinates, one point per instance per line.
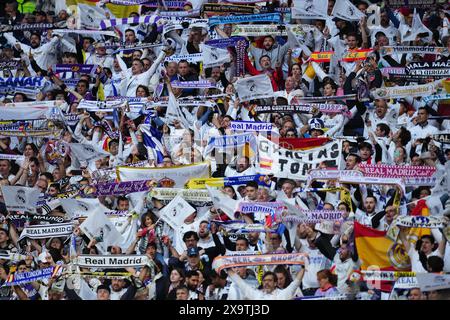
(258, 30)
(112, 261)
(412, 49)
(230, 141)
(134, 46)
(429, 69)
(176, 212)
(36, 218)
(225, 262)
(314, 216)
(442, 138)
(175, 176)
(424, 4)
(302, 143)
(192, 84)
(266, 17)
(81, 207)
(15, 157)
(214, 57)
(255, 87)
(223, 201)
(310, 9)
(86, 152)
(170, 4)
(19, 198)
(433, 281)
(148, 20)
(405, 91)
(378, 275)
(241, 227)
(226, 9)
(225, 42)
(375, 249)
(22, 82)
(345, 10)
(284, 163)
(302, 108)
(86, 32)
(81, 68)
(349, 55)
(251, 126)
(321, 174)
(31, 26)
(13, 256)
(263, 207)
(412, 175)
(191, 58)
(98, 226)
(6, 64)
(374, 180)
(201, 183)
(47, 231)
(442, 96)
(388, 71)
(117, 188)
(187, 194)
(31, 276)
(431, 222)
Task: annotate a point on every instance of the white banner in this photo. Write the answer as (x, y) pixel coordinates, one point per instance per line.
(214, 57)
(81, 207)
(89, 17)
(404, 91)
(310, 9)
(345, 10)
(112, 261)
(223, 202)
(186, 194)
(256, 87)
(433, 281)
(321, 174)
(20, 198)
(176, 212)
(98, 225)
(86, 152)
(175, 176)
(296, 164)
(373, 180)
(431, 222)
(47, 231)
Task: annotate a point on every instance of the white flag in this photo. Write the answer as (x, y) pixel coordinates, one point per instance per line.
(173, 112)
(223, 202)
(310, 9)
(82, 207)
(86, 152)
(256, 87)
(214, 57)
(176, 212)
(417, 27)
(98, 225)
(19, 198)
(89, 17)
(345, 10)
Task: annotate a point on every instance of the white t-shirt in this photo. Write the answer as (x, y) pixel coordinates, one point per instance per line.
(317, 262)
(416, 265)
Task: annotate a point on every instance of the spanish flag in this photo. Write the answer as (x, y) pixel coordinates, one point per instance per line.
(378, 252)
(372, 246)
(302, 143)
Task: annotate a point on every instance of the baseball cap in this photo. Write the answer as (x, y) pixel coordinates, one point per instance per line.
(105, 287)
(192, 252)
(316, 124)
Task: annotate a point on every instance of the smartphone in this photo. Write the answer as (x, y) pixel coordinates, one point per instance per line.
(76, 172)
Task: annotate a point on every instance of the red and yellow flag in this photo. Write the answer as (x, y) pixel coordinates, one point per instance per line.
(302, 143)
(350, 56)
(421, 209)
